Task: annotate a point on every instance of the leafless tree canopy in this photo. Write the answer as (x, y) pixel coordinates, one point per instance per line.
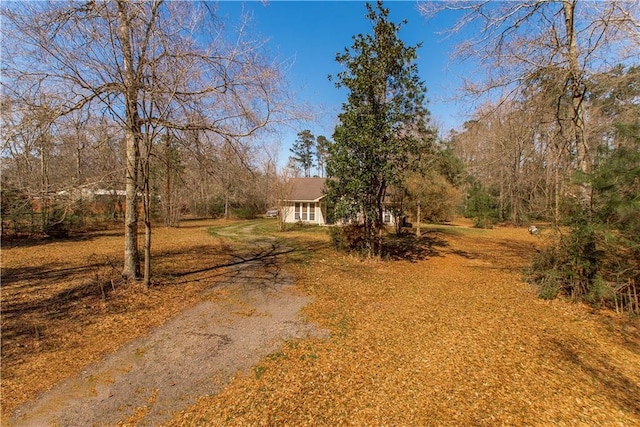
(546, 51)
(187, 73)
(154, 69)
(513, 40)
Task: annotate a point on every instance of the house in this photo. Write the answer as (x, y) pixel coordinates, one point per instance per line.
(306, 202)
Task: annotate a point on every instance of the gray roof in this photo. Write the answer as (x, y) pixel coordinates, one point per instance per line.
(308, 189)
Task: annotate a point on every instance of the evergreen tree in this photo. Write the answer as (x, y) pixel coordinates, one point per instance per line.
(381, 127)
(322, 151)
(303, 151)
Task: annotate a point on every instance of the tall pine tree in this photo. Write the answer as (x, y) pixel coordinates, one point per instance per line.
(303, 151)
(381, 128)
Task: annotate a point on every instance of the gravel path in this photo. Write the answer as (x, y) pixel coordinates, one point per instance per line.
(192, 355)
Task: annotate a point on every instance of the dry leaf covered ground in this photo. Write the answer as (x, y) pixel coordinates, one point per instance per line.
(441, 332)
(445, 334)
(60, 311)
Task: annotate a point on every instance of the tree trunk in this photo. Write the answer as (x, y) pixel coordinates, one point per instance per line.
(131, 267)
(168, 219)
(44, 183)
(556, 190)
(226, 204)
(378, 223)
(147, 220)
(577, 89)
(418, 219)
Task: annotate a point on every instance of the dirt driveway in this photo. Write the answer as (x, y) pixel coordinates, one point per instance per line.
(193, 354)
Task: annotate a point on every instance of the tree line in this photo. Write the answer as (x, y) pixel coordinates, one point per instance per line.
(558, 139)
(308, 152)
(159, 104)
(147, 76)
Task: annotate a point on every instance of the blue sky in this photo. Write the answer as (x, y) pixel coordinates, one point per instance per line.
(310, 33)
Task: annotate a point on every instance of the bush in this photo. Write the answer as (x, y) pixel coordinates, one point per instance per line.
(570, 265)
(599, 261)
(483, 222)
(57, 223)
(348, 238)
(440, 200)
(481, 206)
(591, 264)
(244, 212)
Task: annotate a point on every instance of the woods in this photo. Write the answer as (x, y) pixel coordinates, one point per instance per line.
(559, 112)
(142, 112)
(162, 180)
(149, 71)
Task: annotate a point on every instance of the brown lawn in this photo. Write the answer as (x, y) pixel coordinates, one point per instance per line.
(442, 332)
(455, 338)
(60, 311)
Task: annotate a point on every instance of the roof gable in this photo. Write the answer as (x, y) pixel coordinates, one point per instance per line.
(307, 189)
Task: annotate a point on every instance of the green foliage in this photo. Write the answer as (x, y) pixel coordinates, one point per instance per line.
(303, 151)
(573, 267)
(307, 148)
(616, 185)
(599, 260)
(482, 206)
(322, 152)
(216, 207)
(449, 165)
(382, 126)
(244, 212)
(58, 221)
(14, 208)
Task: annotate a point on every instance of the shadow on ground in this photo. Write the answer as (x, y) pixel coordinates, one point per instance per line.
(597, 368)
(41, 240)
(409, 247)
(267, 258)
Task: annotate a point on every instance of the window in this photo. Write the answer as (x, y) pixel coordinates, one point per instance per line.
(387, 217)
(304, 211)
(312, 211)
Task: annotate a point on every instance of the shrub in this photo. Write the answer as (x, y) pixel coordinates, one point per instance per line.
(599, 261)
(244, 212)
(57, 222)
(348, 238)
(481, 206)
(591, 264)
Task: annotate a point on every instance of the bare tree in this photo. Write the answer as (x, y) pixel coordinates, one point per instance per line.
(151, 66)
(569, 38)
(282, 190)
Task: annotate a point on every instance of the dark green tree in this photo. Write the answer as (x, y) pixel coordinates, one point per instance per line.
(382, 125)
(322, 151)
(303, 151)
